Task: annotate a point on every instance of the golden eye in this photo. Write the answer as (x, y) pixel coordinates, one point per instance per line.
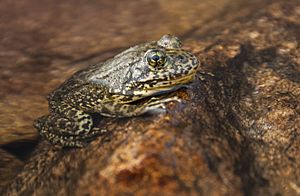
(156, 58)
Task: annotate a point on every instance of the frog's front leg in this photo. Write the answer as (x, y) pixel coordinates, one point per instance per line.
(70, 128)
(154, 105)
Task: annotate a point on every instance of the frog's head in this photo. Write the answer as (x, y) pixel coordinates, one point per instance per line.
(147, 69)
(164, 67)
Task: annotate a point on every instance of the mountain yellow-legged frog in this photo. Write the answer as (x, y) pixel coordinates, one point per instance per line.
(113, 88)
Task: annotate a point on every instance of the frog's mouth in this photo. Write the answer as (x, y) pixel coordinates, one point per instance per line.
(177, 81)
(162, 87)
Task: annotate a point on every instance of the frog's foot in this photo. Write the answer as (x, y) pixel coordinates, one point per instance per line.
(63, 140)
(156, 100)
(157, 106)
(72, 140)
(202, 74)
(77, 131)
(155, 109)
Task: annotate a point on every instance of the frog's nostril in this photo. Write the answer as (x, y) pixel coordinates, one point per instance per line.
(182, 59)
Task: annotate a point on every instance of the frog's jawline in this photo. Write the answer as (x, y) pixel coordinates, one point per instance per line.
(167, 88)
(156, 94)
(175, 88)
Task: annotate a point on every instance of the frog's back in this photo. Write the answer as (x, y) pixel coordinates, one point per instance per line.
(109, 74)
(112, 88)
(70, 85)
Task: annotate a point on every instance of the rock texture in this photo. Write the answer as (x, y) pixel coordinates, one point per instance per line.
(236, 133)
(9, 167)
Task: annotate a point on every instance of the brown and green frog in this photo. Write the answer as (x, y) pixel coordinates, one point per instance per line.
(113, 88)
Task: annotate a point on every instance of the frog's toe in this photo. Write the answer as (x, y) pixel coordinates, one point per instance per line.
(96, 131)
(202, 75)
(156, 109)
(166, 100)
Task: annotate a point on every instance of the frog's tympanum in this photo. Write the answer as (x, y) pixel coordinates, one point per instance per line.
(114, 88)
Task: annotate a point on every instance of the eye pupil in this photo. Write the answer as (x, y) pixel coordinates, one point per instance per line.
(155, 57)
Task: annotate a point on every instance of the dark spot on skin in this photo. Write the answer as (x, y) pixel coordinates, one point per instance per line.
(62, 125)
(86, 126)
(185, 71)
(188, 66)
(189, 54)
(180, 57)
(151, 85)
(96, 118)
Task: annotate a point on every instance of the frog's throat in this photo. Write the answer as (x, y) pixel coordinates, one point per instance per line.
(165, 87)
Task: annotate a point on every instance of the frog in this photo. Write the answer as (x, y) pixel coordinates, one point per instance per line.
(115, 88)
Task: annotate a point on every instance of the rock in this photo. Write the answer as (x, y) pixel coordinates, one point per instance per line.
(236, 133)
(44, 44)
(10, 166)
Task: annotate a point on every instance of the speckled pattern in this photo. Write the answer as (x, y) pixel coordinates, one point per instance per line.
(112, 87)
(236, 133)
(43, 43)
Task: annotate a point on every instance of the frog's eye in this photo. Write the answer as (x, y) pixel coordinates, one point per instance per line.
(156, 58)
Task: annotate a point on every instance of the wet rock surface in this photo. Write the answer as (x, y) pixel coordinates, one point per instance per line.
(236, 133)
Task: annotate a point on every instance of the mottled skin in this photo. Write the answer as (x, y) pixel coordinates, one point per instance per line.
(112, 89)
